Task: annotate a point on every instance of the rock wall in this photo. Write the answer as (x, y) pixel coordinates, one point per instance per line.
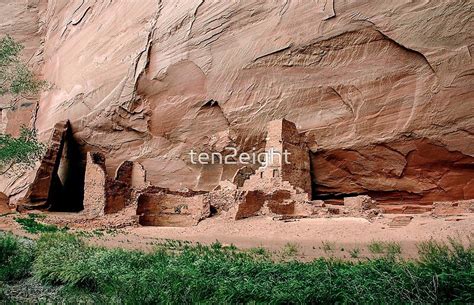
(162, 207)
(375, 86)
(103, 194)
(46, 188)
(4, 204)
(405, 171)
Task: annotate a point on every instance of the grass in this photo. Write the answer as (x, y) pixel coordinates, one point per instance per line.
(389, 248)
(289, 250)
(355, 253)
(16, 257)
(31, 225)
(393, 248)
(258, 251)
(328, 246)
(376, 247)
(217, 274)
(89, 234)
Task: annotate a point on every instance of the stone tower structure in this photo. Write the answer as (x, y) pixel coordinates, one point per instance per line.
(288, 164)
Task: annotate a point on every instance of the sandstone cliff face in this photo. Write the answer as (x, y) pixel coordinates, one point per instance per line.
(382, 90)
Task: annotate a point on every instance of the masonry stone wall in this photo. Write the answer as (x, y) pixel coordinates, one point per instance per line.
(163, 207)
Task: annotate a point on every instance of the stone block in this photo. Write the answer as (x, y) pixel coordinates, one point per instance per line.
(359, 203)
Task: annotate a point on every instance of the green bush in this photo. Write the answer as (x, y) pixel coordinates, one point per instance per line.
(15, 77)
(452, 269)
(392, 249)
(31, 225)
(24, 149)
(16, 257)
(217, 274)
(376, 247)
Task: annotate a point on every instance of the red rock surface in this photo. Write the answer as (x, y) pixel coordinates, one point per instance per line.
(44, 191)
(405, 172)
(4, 204)
(382, 91)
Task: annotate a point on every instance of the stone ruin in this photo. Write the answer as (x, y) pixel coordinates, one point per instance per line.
(59, 180)
(279, 189)
(40, 194)
(162, 207)
(283, 186)
(106, 195)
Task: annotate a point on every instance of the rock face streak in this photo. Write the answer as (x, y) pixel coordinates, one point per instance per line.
(381, 91)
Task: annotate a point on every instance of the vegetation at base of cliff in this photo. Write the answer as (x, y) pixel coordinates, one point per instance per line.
(16, 258)
(31, 225)
(444, 273)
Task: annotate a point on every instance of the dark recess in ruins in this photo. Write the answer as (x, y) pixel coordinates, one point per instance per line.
(413, 172)
(71, 172)
(59, 180)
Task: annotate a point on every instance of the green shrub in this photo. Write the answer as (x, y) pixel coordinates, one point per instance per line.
(355, 253)
(31, 225)
(328, 246)
(289, 250)
(393, 248)
(218, 274)
(15, 77)
(259, 252)
(25, 149)
(15, 257)
(453, 266)
(376, 247)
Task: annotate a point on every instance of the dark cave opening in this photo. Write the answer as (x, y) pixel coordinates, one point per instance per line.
(66, 193)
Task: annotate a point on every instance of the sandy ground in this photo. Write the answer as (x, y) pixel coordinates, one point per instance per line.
(313, 237)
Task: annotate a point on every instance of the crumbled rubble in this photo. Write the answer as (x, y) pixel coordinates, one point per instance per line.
(361, 205)
(400, 221)
(106, 195)
(450, 208)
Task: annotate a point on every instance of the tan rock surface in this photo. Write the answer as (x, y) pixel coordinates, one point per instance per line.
(149, 80)
(94, 186)
(22, 21)
(103, 194)
(448, 208)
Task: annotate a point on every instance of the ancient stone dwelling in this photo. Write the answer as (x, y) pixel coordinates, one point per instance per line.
(381, 93)
(281, 187)
(294, 175)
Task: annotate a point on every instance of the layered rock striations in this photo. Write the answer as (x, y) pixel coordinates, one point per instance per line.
(381, 91)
